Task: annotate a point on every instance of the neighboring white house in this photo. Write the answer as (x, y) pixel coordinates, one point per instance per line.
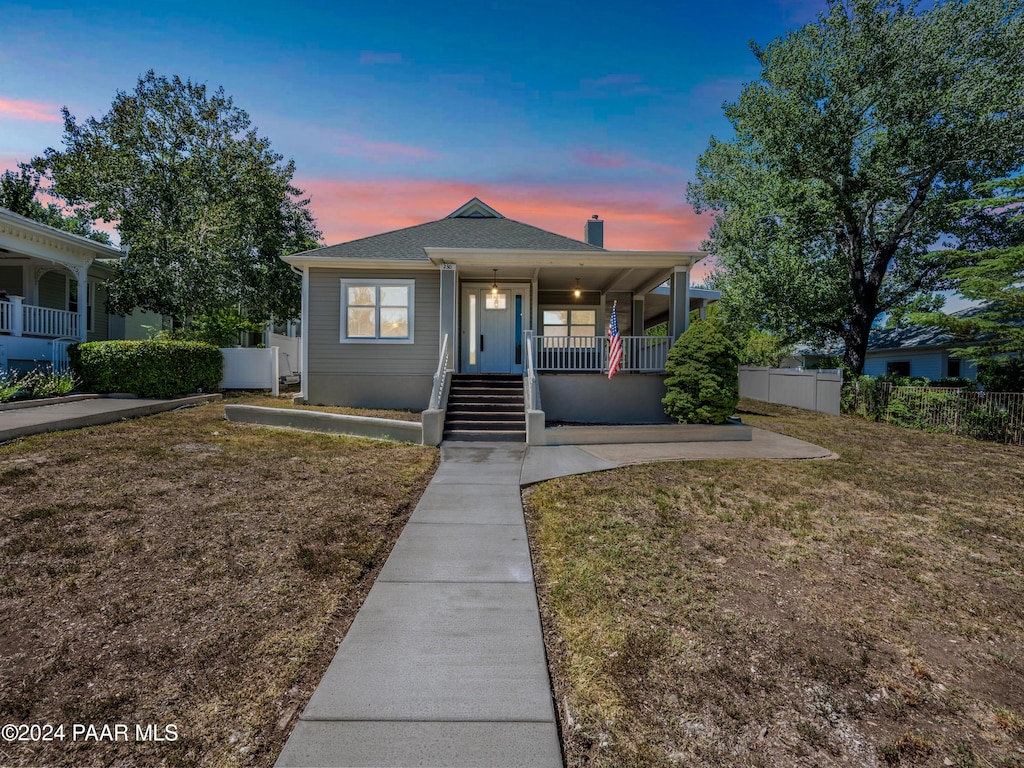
(56, 294)
(376, 312)
(913, 350)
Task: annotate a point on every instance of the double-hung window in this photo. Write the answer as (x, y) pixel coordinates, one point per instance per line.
(377, 311)
(72, 302)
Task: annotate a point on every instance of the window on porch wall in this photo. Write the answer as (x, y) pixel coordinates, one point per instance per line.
(570, 340)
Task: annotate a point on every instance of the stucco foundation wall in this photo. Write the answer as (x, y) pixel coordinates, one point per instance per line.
(589, 398)
(406, 392)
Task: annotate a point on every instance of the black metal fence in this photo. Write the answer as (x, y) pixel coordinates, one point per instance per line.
(995, 416)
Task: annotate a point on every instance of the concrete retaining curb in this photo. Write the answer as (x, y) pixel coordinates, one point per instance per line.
(19, 404)
(614, 434)
(334, 423)
(89, 412)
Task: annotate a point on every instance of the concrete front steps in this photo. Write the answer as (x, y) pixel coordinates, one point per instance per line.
(485, 407)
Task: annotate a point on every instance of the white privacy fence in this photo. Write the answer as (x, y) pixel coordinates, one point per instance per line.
(810, 390)
(289, 356)
(251, 368)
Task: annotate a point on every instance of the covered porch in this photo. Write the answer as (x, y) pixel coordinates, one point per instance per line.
(50, 286)
(509, 310)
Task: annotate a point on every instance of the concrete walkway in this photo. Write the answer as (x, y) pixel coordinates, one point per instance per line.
(73, 414)
(548, 462)
(444, 664)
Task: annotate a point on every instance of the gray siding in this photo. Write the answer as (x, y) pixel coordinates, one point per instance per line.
(53, 289)
(370, 375)
(100, 319)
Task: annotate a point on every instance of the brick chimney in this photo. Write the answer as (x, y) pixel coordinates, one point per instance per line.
(594, 234)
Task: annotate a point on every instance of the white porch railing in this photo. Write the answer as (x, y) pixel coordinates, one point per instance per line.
(43, 321)
(6, 317)
(589, 354)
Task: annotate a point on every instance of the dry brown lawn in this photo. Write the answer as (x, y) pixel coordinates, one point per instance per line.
(864, 611)
(183, 570)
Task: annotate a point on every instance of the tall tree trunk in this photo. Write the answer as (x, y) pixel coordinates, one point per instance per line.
(856, 338)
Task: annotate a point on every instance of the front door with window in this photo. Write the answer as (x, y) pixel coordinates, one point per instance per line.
(490, 325)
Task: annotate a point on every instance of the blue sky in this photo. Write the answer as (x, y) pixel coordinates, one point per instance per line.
(397, 113)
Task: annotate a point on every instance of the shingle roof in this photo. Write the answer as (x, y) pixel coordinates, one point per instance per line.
(911, 336)
(460, 232)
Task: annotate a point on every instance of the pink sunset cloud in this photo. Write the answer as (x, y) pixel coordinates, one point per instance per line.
(380, 151)
(347, 210)
(589, 158)
(15, 109)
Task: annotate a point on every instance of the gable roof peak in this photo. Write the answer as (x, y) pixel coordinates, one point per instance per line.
(475, 209)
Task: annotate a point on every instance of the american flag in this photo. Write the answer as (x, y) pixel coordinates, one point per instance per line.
(614, 345)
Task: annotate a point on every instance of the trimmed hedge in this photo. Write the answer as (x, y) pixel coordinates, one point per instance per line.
(703, 379)
(148, 368)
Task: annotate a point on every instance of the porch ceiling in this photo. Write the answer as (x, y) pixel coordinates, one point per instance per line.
(604, 279)
(605, 271)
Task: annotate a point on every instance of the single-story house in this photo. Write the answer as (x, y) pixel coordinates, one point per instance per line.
(476, 294)
(917, 351)
(54, 283)
(912, 350)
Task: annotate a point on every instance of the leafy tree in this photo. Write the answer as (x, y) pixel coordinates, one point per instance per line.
(763, 348)
(862, 129)
(18, 194)
(702, 382)
(994, 277)
(1002, 374)
(203, 205)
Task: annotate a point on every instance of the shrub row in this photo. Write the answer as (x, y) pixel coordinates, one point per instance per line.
(148, 368)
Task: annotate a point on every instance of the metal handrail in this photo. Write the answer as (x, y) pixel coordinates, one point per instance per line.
(437, 390)
(531, 391)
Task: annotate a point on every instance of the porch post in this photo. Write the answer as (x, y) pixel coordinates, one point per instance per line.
(636, 318)
(679, 302)
(449, 309)
(82, 275)
(17, 315)
(636, 327)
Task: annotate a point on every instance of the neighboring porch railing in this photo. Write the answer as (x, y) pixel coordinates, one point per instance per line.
(37, 321)
(6, 317)
(43, 321)
(589, 354)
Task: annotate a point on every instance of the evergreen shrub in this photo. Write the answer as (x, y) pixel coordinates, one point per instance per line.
(703, 381)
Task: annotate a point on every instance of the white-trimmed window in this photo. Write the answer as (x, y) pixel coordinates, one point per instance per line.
(72, 300)
(375, 311)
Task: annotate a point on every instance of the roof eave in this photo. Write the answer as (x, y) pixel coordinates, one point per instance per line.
(335, 262)
(595, 258)
(45, 232)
